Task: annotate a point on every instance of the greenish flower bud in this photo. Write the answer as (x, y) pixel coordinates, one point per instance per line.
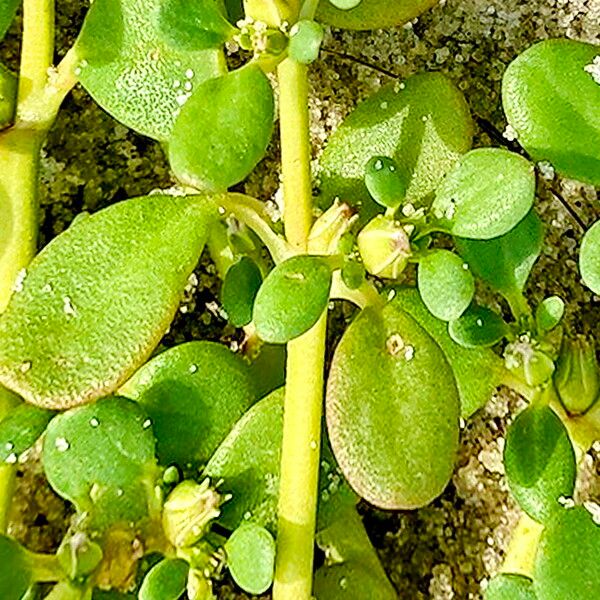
(199, 587)
(384, 247)
(188, 510)
(78, 556)
(329, 228)
(577, 377)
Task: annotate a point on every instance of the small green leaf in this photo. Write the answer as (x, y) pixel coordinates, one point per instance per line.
(551, 99)
(370, 14)
(566, 564)
(468, 365)
(251, 557)
(540, 462)
(549, 313)
(165, 581)
(445, 285)
(240, 286)
(392, 410)
(353, 274)
(15, 575)
(20, 430)
(305, 42)
(97, 300)
(506, 586)
(223, 130)
(478, 327)
(196, 25)
(486, 195)
(8, 10)
(352, 580)
(101, 458)
(8, 96)
(589, 258)
(292, 298)
(194, 394)
(385, 183)
(423, 124)
(133, 72)
(504, 263)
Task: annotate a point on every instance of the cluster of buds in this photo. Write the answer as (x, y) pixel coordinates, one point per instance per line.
(260, 39)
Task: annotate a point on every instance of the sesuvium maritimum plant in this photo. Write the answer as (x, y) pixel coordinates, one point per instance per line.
(184, 462)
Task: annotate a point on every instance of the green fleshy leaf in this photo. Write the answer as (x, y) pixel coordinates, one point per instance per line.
(505, 263)
(392, 410)
(370, 14)
(552, 100)
(165, 581)
(20, 430)
(292, 298)
(98, 298)
(478, 327)
(8, 10)
(15, 575)
(385, 183)
(423, 124)
(566, 563)
(468, 365)
(251, 557)
(8, 96)
(194, 394)
(589, 258)
(486, 195)
(101, 458)
(240, 286)
(549, 313)
(223, 130)
(305, 42)
(506, 586)
(134, 72)
(445, 285)
(540, 462)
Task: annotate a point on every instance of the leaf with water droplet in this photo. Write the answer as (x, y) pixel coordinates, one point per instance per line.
(132, 69)
(468, 365)
(486, 195)
(99, 297)
(21, 429)
(223, 130)
(194, 394)
(240, 286)
(292, 298)
(446, 287)
(506, 586)
(392, 410)
(589, 258)
(423, 124)
(8, 10)
(549, 313)
(552, 99)
(370, 14)
(108, 470)
(16, 573)
(540, 462)
(566, 562)
(250, 553)
(478, 327)
(166, 580)
(384, 181)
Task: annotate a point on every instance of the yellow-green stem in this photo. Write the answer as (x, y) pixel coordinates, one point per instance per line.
(304, 380)
(520, 555)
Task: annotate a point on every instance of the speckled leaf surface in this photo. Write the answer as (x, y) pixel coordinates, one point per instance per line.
(552, 100)
(98, 298)
(488, 193)
(194, 394)
(372, 14)
(423, 124)
(133, 71)
(392, 410)
(469, 366)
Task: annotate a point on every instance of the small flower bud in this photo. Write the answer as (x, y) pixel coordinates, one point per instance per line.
(577, 377)
(78, 556)
(330, 227)
(384, 247)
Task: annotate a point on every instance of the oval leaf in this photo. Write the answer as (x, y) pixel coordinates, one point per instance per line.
(370, 14)
(194, 394)
(384, 182)
(478, 327)
(566, 564)
(540, 462)
(488, 193)
(101, 458)
(589, 258)
(445, 285)
(20, 430)
(292, 298)
(506, 586)
(549, 313)
(133, 72)
(15, 575)
(223, 130)
(423, 124)
(392, 410)
(551, 98)
(98, 298)
(165, 581)
(240, 286)
(250, 555)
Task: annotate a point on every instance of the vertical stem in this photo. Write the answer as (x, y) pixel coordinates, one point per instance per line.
(304, 382)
